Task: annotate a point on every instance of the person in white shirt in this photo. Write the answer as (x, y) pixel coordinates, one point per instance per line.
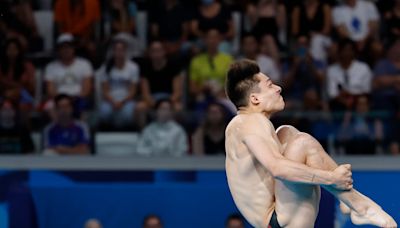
(357, 20)
(69, 74)
(163, 137)
(348, 77)
(268, 66)
(119, 78)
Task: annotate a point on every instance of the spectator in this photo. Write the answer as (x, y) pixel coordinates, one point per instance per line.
(66, 136)
(18, 22)
(69, 74)
(17, 75)
(234, 221)
(209, 138)
(163, 137)
(212, 15)
(268, 66)
(93, 223)
(303, 73)
(267, 17)
(15, 138)
(357, 20)
(347, 77)
(312, 18)
(207, 70)
(162, 78)
(169, 23)
(386, 83)
(393, 22)
(122, 19)
(360, 132)
(152, 221)
(77, 17)
(119, 82)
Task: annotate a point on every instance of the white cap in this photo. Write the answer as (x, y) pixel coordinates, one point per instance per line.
(65, 38)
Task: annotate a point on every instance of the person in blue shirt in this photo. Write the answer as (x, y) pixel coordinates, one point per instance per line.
(66, 135)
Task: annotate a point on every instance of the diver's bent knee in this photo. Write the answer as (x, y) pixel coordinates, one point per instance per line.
(286, 132)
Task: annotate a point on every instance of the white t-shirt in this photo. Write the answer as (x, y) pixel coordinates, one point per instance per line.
(269, 68)
(359, 79)
(356, 18)
(120, 80)
(68, 79)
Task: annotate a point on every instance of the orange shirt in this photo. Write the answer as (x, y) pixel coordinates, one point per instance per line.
(77, 21)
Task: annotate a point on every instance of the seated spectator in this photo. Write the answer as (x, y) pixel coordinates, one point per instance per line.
(93, 223)
(212, 15)
(301, 73)
(162, 78)
(122, 19)
(66, 136)
(268, 66)
(234, 221)
(347, 77)
(267, 17)
(386, 83)
(119, 84)
(392, 21)
(360, 132)
(17, 75)
(207, 70)
(209, 138)
(152, 221)
(18, 22)
(357, 20)
(69, 74)
(169, 23)
(77, 17)
(163, 137)
(312, 18)
(15, 138)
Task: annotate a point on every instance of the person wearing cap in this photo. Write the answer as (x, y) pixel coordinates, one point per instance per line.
(69, 74)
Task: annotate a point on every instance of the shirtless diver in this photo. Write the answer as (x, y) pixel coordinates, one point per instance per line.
(275, 176)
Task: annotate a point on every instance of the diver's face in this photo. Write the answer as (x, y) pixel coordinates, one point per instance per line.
(268, 96)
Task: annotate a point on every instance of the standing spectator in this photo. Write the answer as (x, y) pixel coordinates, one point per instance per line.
(152, 221)
(357, 20)
(163, 137)
(313, 18)
(162, 79)
(169, 23)
(15, 138)
(66, 136)
(360, 132)
(347, 77)
(119, 84)
(207, 70)
(17, 75)
(77, 17)
(213, 15)
(209, 138)
(69, 74)
(303, 73)
(234, 221)
(386, 83)
(268, 66)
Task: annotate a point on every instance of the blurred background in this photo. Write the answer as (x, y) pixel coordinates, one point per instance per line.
(112, 112)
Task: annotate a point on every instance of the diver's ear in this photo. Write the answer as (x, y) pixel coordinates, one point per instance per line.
(254, 99)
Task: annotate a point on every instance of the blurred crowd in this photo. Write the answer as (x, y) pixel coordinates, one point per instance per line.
(154, 221)
(158, 68)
